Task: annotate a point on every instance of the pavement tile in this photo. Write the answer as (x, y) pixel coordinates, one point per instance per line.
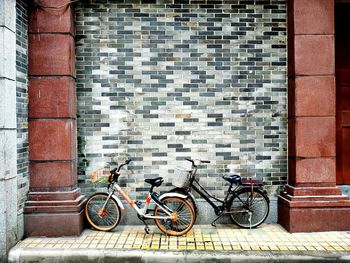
(301, 248)
(255, 247)
(273, 247)
(218, 247)
(285, 248)
(227, 247)
(264, 247)
(222, 238)
(310, 247)
(237, 247)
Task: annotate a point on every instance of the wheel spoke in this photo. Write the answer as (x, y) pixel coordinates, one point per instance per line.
(106, 219)
(243, 204)
(184, 221)
(180, 207)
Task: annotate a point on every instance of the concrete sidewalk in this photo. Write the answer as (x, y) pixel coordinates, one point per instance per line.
(225, 243)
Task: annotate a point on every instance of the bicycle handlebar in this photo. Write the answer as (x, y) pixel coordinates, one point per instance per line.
(117, 169)
(115, 173)
(125, 163)
(193, 161)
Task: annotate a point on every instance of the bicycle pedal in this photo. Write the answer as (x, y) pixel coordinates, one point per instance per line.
(213, 224)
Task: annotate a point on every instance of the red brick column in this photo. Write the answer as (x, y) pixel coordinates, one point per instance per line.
(311, 201)
(55, 205)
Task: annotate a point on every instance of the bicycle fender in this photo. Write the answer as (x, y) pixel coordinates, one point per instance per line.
(188, 194)
(119, 202)
(172, 195)
(195, 201)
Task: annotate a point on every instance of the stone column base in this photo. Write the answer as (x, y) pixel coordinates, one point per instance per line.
(314, 213)
(54, 214)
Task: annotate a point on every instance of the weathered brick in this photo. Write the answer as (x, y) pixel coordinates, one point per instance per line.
(22, 107)
(205, 80)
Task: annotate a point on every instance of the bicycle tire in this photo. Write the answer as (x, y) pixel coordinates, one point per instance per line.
(182, 209)
(190, 199)
(242, 202)
(104, 220)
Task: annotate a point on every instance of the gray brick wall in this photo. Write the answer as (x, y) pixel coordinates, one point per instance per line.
(22, 106)
(161, 80)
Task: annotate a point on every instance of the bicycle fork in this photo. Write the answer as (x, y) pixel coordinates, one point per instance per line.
(100, 213)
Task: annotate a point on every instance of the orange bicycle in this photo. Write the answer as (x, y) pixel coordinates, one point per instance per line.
(173, 215)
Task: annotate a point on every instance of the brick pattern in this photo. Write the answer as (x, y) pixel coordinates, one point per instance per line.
(158, 81)
(22, 101)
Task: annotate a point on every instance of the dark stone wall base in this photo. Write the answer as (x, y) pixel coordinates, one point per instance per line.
(313, 216)
(54, 224)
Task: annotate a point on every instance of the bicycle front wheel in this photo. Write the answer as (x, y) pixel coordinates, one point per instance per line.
(247, 209)
(183, 216)
(102, 213)
(190, 199)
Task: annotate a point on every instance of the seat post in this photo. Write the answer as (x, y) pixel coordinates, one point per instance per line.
(230, 188)
(151, 190)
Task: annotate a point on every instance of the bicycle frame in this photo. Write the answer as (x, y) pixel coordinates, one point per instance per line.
(142, 212)
(207, 196)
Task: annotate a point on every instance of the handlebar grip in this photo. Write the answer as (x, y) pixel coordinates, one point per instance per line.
(125, 163)
(192, 161)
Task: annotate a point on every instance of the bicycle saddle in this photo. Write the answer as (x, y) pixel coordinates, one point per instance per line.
(155, 181)
(233, 178)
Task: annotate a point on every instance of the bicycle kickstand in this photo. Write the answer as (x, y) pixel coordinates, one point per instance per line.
(216, 219)
(147, 228)
(250, 220)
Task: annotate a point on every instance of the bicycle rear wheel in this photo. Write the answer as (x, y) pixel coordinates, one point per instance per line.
(249, 210)
(100, 218)
(182, 212)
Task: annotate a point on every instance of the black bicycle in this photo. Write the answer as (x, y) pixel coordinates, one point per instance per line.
(246, 201)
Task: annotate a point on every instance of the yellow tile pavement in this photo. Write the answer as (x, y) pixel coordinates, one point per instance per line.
(222, 238)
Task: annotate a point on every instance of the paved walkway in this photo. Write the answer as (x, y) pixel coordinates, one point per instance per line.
(267, 241)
